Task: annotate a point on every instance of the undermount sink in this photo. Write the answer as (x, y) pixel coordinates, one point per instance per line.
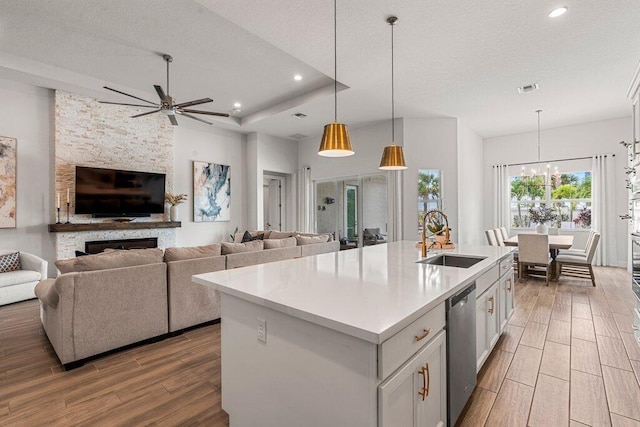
(460, 261)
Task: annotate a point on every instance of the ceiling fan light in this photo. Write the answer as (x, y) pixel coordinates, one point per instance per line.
(335, 141)
(392, 158)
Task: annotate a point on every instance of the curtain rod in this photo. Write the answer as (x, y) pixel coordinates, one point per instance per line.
(558, 160)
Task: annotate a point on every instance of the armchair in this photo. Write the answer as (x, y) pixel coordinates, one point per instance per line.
(18, 285)
(372, 236)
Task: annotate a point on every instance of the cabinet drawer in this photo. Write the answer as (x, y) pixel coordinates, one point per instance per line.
(399, 348)
(487, 279)
(506, 264)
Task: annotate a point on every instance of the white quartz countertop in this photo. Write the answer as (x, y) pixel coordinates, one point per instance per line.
(370, 293)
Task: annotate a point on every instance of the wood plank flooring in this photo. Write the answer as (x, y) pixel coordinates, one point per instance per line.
(568, 357)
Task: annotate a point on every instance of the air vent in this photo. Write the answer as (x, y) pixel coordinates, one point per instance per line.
(299, 115)
(528, 88)
(297, 136)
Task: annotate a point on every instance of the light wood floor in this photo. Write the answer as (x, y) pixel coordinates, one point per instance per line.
(568, 356)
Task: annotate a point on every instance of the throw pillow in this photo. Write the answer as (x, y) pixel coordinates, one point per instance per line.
(10, 262)
(178, 254)
(280, 243)
(81, 253)
(248, 237)
(234, 248)
(308, 240)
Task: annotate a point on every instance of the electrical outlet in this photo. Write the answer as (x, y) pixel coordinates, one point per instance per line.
(262, 330)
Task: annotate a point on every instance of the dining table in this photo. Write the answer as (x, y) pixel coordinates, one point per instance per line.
(556, 242)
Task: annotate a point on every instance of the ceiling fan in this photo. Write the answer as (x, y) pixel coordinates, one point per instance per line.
(167, 103)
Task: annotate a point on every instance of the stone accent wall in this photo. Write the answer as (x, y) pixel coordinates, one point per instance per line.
(88, 133)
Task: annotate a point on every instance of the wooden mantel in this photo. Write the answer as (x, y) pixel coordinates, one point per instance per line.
(100, 226)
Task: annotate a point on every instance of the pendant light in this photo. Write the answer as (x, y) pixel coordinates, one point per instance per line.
(392, 156)
(539, 171)
(335, 139)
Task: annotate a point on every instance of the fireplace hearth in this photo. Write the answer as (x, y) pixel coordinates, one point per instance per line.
(98, 246)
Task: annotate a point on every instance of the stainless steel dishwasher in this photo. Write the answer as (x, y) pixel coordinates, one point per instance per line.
(461, 350)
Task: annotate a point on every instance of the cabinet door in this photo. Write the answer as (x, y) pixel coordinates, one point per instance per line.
(506, 299)
(482, 347)
(493, 317)
(416, 395)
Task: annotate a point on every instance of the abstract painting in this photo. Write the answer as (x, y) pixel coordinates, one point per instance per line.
(211, 192)
(8, 182)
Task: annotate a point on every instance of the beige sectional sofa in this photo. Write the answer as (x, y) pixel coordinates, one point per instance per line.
(110, 300)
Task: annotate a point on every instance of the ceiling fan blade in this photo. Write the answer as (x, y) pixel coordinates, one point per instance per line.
(209, 113)
(196, 102)
(135, 97)
(130, 105)
(160, 92)
(172, 119)
(194, 117)
(144, 114)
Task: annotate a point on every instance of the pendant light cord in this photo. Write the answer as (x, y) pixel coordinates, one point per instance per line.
(393, 110)
(539, 164)
(335, 60)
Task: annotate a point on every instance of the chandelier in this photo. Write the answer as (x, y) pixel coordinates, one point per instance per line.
(532, 177)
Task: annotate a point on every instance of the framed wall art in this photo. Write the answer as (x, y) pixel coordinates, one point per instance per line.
(211, 192)
(8, 177)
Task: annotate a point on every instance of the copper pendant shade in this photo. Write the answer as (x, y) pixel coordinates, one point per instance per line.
(392, 156)
(335, 139)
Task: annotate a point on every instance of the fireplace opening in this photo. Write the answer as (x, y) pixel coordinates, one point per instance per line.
(97, 246)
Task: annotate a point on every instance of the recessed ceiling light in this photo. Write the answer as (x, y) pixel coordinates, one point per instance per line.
(558, 12)
(528, 88)
(297, 77)
(237, 105)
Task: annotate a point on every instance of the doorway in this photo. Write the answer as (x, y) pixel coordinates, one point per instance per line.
(273, 200)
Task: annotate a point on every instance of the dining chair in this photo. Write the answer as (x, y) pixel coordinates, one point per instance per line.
(533, 251)
(578, 251)
(499, 237)
(491, 237)
(505, 233)
(578, 265)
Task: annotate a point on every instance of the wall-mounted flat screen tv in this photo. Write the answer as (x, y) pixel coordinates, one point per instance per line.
(118, 193)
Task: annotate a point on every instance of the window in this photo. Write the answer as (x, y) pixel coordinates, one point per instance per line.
(429, 187)
(568, 194)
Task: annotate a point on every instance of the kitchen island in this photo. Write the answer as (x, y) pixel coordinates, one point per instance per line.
(334, 339)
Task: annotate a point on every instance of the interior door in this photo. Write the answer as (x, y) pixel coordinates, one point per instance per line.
(272, 203)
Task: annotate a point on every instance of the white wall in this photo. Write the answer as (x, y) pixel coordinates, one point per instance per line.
(26, 113)
(586, 139)
(470, 188)
(200, 142)
(266, 153)
(430, 144)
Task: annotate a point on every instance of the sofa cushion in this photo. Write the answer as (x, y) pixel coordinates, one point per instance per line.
(234, 248)
(280, 234)
(18, 277)
(109, 260)
(280, 243)
(10, 262)
(310, 240)
(46, 292)
(329, 235)
(178, 254)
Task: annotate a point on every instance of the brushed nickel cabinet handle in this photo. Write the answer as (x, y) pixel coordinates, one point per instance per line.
(426, 332)
(491, 309)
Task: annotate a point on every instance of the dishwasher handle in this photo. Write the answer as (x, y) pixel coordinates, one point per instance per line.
(461, 296)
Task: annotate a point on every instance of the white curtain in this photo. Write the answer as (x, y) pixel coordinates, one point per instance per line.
(501, 191)
(603, 209)
(305, 196)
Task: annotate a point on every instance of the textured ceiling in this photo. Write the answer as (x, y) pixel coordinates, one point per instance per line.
(460, 59)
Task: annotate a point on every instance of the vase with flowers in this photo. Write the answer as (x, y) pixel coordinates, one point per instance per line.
(174, 200)
(542, 215)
